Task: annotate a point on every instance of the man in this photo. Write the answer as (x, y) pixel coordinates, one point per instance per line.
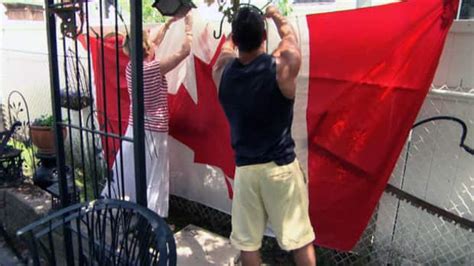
(257, 92)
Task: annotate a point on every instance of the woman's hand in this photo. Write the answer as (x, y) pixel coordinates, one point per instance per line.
(188, 23)
(172, 61)
(188, 29)
(157, 34)
(171, 21)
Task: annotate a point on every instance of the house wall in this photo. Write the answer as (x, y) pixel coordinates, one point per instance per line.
(17, 11)
(24, 64)
(456, 68)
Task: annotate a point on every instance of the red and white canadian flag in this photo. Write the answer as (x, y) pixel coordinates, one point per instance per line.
(364, 77)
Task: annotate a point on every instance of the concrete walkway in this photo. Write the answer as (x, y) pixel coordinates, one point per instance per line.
(7, 258)
(198, 247)
(195, 247)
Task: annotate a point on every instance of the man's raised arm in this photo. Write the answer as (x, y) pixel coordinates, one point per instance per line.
(287, 54)
(227, 54)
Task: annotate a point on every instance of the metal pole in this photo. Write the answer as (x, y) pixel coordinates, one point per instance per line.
(93, 167)
(459, 10)
(137, 101)
(56, 106)
(56, 102)
(119, 163)
(104, 92)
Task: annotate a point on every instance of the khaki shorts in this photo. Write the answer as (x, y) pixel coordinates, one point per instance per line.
(275, 194)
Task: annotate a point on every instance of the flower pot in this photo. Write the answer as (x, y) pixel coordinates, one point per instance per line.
(73, 101)
(43, 138)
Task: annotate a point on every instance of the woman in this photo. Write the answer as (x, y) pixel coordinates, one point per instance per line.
(155, 92)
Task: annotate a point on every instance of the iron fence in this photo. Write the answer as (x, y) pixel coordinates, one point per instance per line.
(74, 60)
(86, 144)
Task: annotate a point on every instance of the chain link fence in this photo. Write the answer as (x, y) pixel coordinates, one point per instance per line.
(432, 169)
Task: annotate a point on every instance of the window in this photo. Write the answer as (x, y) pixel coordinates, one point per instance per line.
(467, 9)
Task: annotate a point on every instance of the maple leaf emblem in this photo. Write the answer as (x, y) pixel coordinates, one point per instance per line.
(203, 127)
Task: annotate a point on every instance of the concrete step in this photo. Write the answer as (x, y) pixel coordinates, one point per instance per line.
(196, 246)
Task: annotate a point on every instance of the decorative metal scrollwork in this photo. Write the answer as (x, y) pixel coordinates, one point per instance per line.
(454, 119)
(19, 113)
(67, 12)
(229, 12)
(429, 207)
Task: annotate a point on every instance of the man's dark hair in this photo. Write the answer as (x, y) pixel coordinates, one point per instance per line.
(248, 29)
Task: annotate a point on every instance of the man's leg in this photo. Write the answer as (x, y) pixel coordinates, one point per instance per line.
(248, 215)
(285, 196)
(250, 258)
(305, 256)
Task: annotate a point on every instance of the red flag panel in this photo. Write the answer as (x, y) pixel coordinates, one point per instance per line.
(370, 70)
(108, 89)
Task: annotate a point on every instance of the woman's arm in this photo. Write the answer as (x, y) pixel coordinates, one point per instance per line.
(157, 34)
(169, 63)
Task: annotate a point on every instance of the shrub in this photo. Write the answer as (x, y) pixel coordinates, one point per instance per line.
(44, 121)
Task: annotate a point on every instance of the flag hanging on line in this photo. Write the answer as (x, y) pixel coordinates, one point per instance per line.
(364, 77)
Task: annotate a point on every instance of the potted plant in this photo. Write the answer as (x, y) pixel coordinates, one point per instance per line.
(74, 100)
(76, 95)
(42, 134)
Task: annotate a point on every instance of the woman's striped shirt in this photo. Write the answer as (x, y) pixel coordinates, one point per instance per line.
(155, 90)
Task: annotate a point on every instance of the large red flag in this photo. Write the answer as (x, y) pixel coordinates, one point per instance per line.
(370, 70)
(110, 89)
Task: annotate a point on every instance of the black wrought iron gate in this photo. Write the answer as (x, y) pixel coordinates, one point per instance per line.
(83, 172)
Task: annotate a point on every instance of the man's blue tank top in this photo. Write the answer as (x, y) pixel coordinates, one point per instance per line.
(260, 116)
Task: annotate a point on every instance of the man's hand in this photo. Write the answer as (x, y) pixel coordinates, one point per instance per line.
(271, 11)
